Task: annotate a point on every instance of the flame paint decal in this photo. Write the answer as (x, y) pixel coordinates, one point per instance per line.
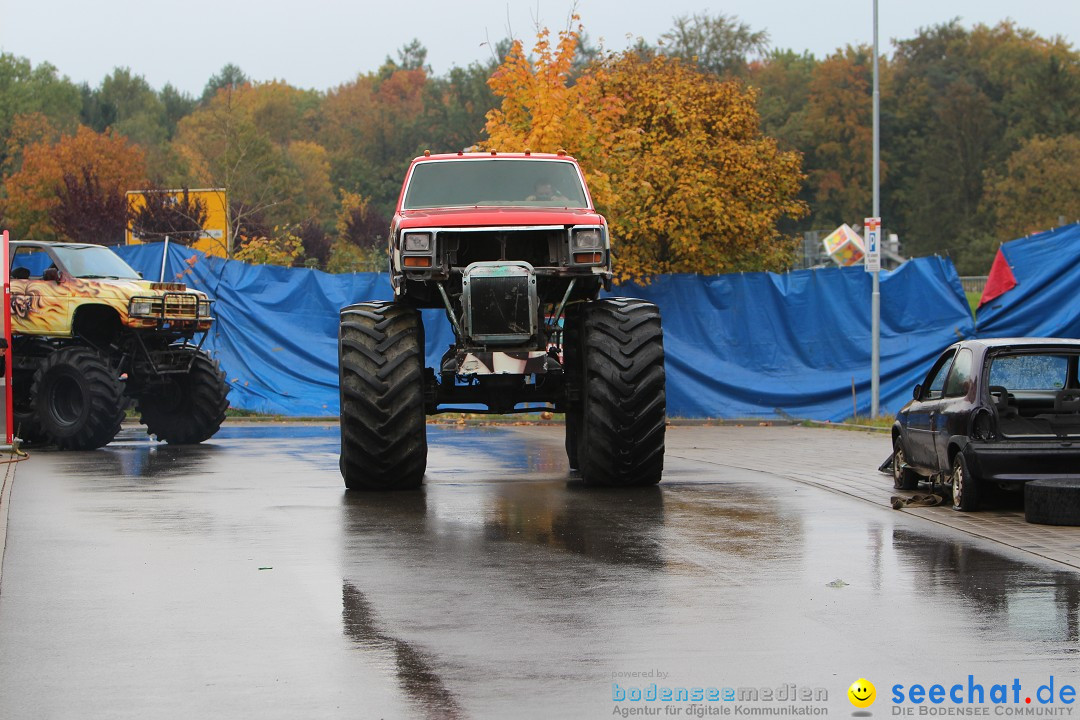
(46, 307)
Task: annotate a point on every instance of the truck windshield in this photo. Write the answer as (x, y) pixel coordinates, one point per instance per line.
(92, 261)
(508, 182)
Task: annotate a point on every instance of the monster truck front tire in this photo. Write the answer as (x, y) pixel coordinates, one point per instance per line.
(572, 352)
(188, 408)
(380, 365)
(624, 402)
(78, 398)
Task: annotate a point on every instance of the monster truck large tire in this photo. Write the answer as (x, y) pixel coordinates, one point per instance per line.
(78, 398)
(574, 371)
(380, 365)
(624, 410)
(24, 410)
(188, 408)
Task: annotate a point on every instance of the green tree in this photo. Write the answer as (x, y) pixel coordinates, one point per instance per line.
(1039, 186)
(230, 77)
(719, 44)
(25, 89)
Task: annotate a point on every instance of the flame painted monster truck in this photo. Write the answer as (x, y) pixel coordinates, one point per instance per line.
(90, 335)
(511, 247)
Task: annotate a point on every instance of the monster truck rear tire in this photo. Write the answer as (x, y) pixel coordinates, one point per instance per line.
(78, 398)
(383, 425)
(24, 410)
(186, 408)
(624, 403)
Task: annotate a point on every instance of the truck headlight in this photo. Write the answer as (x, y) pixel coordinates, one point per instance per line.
(587, 239)
(204, 308)
(141, 307)
(417, 242)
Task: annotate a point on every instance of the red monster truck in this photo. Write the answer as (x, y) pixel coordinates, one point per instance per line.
(512, 248)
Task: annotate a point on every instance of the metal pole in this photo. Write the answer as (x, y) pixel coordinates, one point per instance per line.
(875, 298)
(164, 258)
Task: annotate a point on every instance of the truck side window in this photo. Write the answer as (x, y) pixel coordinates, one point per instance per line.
(29, 263)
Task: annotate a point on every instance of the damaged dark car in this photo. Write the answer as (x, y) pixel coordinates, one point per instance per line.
(992, 412)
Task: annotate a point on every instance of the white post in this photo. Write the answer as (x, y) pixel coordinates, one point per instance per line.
(164, 257)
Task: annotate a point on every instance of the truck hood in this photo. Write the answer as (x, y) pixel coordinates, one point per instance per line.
(496, 217)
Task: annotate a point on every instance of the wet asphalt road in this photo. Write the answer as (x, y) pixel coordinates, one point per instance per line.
(237, 579)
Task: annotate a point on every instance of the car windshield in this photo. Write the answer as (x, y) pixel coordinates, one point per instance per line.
(1029, 372)
(93, 261)
(472, 183)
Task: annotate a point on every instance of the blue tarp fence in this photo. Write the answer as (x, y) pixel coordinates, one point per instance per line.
(738, 346)
(1044, 302)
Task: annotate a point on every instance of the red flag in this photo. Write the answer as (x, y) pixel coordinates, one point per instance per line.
(1000, 281)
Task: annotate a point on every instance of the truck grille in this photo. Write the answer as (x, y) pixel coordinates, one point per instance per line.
(500, 303)
(539, 248)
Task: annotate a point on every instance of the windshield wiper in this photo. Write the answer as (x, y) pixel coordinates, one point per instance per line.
(99, 277)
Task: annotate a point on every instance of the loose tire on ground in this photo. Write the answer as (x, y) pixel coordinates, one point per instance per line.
(903, 478)
(1052, 502)
(380, 365)
(78, 399)
(965, 487)
(624, 408)
(188, 408)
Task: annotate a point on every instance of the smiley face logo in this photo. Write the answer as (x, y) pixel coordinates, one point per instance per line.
(862, 693)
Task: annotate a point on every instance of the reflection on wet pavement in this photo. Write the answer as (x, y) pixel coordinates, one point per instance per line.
(417, 679)
(504, 588)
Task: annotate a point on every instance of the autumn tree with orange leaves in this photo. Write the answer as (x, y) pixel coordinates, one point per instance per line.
(88, 171)
(674, 156)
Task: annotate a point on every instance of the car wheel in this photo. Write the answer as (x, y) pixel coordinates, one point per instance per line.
(903, 477)
(965, 488)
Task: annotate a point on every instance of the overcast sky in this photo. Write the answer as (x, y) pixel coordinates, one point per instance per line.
(323, 43)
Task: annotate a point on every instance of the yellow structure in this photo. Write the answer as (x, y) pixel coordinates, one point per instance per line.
(215, 238)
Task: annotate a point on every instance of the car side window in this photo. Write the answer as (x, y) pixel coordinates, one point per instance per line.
(935, 383)
(955, 385)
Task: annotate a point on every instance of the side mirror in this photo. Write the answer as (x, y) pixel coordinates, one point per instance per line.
(916, 392)
(52, 274)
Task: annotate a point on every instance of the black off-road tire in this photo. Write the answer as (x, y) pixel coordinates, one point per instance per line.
(24, 410)
(1052, 501)
(574, 370)
(904, 478)
(383, 424)
(965, 486)
(624, 410)
(78, 399)
(188, 408)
